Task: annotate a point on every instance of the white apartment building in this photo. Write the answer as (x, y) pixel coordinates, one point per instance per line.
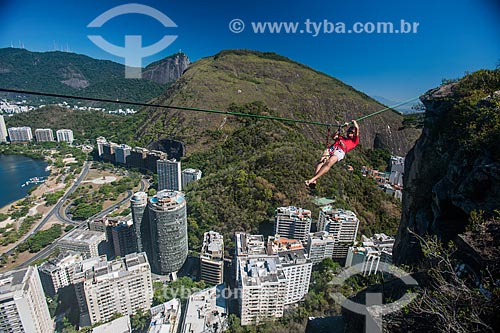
(263, 288)
(206, 311)
(320, 246)
(248, 247)
(119, 286)
(3, 130)
(169, 175)
(57, 273)
(100, 141)
(44, 135)
(20, 134)
(212, 258)
(23, 307)
(65, 135)
(190, 175)
(83, 241)
(374, 252)
(292, 222)
(296, 266)
(342, 225)
(397, 170)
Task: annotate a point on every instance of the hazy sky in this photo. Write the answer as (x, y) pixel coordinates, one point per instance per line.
(451, 36)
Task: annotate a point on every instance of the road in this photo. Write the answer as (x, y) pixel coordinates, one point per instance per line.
(55, 209)
(50, 248)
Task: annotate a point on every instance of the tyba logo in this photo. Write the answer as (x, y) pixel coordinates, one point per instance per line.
(133, 51)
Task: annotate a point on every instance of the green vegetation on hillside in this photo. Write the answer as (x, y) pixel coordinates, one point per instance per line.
(475, 112)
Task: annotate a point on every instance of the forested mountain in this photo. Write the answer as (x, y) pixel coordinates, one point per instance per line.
(76, 74)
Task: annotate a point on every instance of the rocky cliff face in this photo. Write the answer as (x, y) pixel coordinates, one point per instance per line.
(454, 167)
(166, 70)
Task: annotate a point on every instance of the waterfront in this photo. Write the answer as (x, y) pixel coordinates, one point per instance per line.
(16, 170)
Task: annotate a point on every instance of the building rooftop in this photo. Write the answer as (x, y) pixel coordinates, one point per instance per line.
(256, 272)
(139, 198)
(119, 325)
(204, 309)
(294, 212)
(320, 235)
(82, 236)
(165, 317)
(108, 270)
(276, 244)
(213, 245)
(14, 281)
(64, 259)
(247, 244)
(167, 200)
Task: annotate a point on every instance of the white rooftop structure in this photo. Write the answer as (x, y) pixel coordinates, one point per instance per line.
(206, 311)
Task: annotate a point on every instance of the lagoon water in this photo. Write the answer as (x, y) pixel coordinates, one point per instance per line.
(15, 170)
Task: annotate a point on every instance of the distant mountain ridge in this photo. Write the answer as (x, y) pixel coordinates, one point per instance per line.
(76, 74)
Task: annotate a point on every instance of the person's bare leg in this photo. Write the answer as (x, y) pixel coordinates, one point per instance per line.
(324, 169)
(324, 158)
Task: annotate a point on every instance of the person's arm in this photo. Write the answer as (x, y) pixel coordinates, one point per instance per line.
(355, 123)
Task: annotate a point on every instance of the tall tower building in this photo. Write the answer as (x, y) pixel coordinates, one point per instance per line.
(169, 175)
(168, 231)
(190, 175)
(138, 207)
(22, 302)
(292, 222)
(343, 226)
(65, 135)
(3, 130)
(212, 258)
(44, 135)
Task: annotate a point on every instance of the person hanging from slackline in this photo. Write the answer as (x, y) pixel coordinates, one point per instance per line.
(336, 152)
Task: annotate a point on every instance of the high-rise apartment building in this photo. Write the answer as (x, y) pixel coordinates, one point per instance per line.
(44, 135)
(65, 135)
(263, 288)
(122, 152)
(212, 258)
(169, 175)
(124, 238)
(320, 246)
(343, 226)
(3, 130)
(20, 134)
(23, 307)
(57, 273)
(296, 266)
(292, 222)
(119, 286)
(168, 231)
(190, 175)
